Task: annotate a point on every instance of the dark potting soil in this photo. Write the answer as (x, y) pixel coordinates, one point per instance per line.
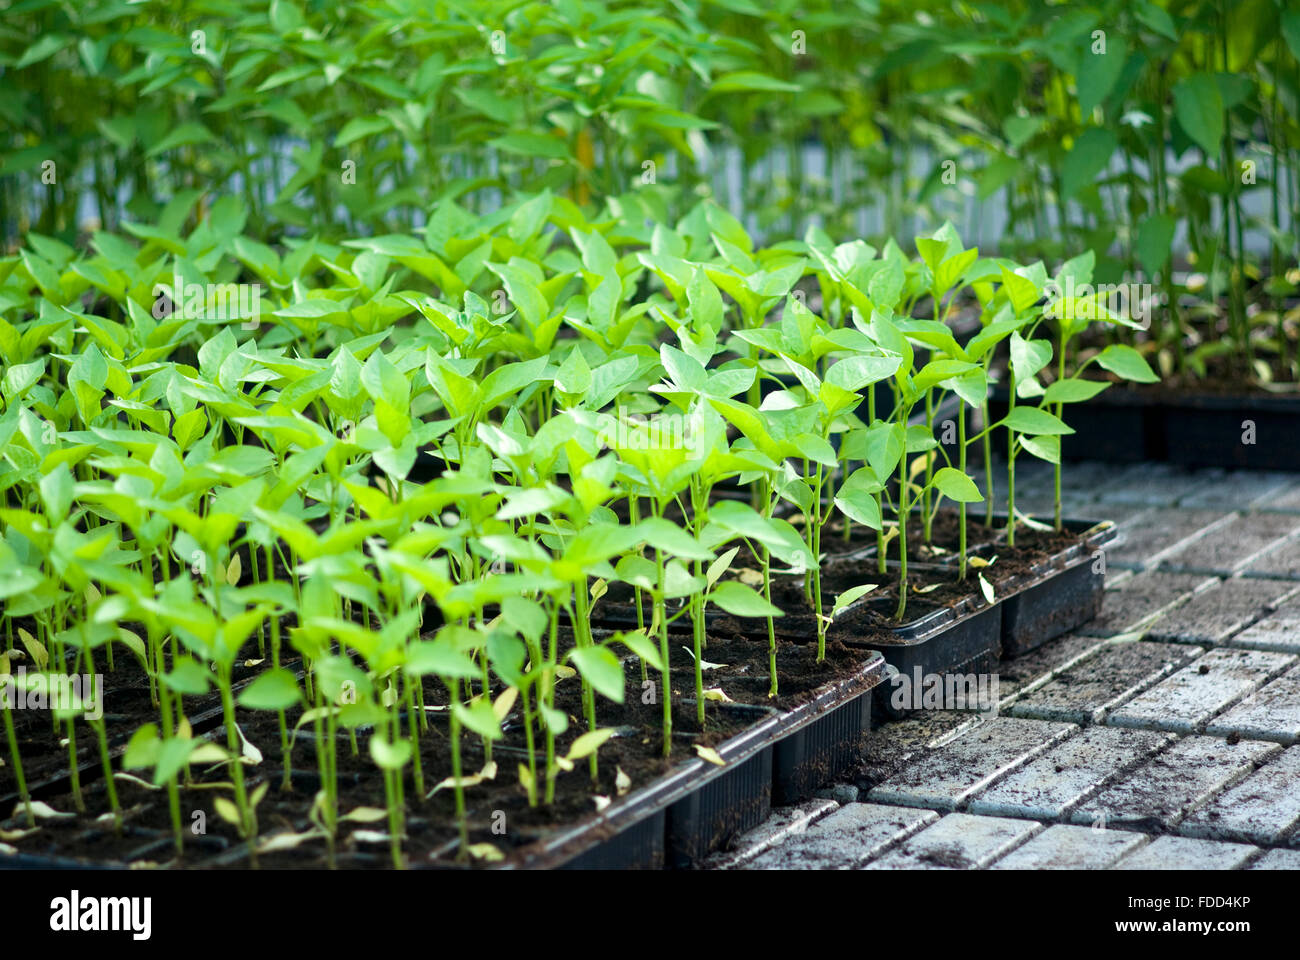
(496, 805)
(126, 705)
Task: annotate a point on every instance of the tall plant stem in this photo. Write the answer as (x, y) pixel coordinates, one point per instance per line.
(880, 497)
(1060, 409)
(247, 828)
(902, 530)
(987, 446)
(101, 734)
(17, 762)
(961, 526)
(661, 617)
(582, 633)
(817, 565)
(929, 468)
(1011, 466)
(548, 695)
(462, 824)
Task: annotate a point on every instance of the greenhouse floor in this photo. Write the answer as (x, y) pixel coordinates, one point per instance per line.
(1165, 734)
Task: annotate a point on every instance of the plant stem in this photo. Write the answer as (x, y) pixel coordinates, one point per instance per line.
(902, 531)
(661, 616)
(109, 786)
(462, 822)
(18, 765)
(961, 525)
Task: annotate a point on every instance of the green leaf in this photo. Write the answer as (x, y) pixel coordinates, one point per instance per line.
(44, 48)
(665, 535)
(56, 493)
(478, 717)
(188, 677)
(643, 647)
(860, 507)
(276, 689)
(1044, 448)
(1097, 73)
(1028, 356)
(742, 601)
(441, 658)
(747, 80)
(532, 145)
(1125, 362)
(1034, 421)
(1155, 238)
(1073, 391)
(955, 485)
(393, 756)
(358, 128)
(1199, 109)
(850, 595)
(588, 743)
(187, 134)
(1091, 151)
(600, 668)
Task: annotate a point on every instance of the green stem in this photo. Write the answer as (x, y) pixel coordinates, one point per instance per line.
(18, 765)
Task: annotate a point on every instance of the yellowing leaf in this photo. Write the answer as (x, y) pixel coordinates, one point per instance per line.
(716, 693)
(488, 772)
(250, 753)
(503, 703)
(233, 570)
(709, 754)
(622, 782)
(226, 810)
(589, 743)
(1031, 523)
(35, 649)
(207, 752)
(135, 781)
(485, 852)
(43, 811)
(365, 815)
(369, 836)
(704, 664)
(601, 802)
(286, 841)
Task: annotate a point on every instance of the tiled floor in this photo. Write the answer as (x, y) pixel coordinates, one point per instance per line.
(1163, 735)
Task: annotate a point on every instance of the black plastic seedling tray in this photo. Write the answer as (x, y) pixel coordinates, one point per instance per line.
(1210, 431)
(1117, 426)
(963, 642)
(677, 818)
(1059, 594)
(823, 736)
(1063, 592)
(1131, 426)
(696, 809)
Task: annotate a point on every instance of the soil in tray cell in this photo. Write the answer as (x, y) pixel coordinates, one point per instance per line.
(635, 753)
